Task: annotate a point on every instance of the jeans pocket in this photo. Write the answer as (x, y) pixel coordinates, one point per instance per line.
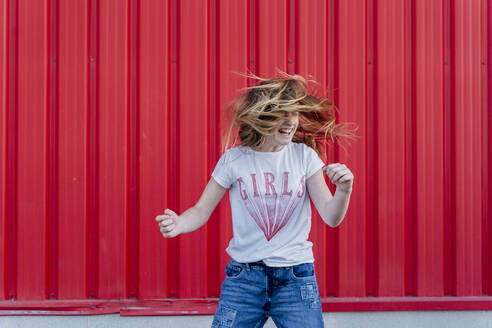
(234, 269)
(303, 271)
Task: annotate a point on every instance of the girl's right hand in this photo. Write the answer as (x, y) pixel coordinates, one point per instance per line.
(169, 224)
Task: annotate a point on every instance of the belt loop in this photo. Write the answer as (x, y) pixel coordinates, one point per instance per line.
(247, 266)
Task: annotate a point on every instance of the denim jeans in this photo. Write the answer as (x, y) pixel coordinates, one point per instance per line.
(253, 292)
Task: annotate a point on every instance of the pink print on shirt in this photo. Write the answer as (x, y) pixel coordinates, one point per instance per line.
(271, 211)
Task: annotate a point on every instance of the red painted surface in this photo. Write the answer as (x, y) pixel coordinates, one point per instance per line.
(111, 115)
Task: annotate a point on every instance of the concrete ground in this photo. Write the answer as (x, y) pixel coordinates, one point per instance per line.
(400, 319)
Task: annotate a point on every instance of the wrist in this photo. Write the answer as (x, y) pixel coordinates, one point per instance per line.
(347, 191)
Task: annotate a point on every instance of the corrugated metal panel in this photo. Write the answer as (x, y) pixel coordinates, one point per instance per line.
(111, 112)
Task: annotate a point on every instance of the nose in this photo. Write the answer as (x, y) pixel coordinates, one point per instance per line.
(291, 118)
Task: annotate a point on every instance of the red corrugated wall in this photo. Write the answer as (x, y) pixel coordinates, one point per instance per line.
(111, 111)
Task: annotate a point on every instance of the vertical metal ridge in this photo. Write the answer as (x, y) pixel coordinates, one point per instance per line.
(208, 123)
(253, 56)
(12, 158)
(92, 256)
(332, 65)
(174, 142)
(449, 143)
(132, 154)
(292, 36)
(489, 133)
(331, 50)
(486, 144)
(52, 154)
(213, 81)
(410, 223)
(336, 148)
(467, 152)
(4, 76)
(372, 270)
(169, 202)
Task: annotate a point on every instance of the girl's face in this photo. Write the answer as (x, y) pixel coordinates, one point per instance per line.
(283, 133)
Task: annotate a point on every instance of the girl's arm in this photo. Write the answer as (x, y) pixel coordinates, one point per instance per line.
(332, 209)
(193, 218)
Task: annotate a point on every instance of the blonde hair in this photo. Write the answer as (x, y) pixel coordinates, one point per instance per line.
(258, 112)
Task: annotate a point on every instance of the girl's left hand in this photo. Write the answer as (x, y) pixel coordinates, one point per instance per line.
(340, 175)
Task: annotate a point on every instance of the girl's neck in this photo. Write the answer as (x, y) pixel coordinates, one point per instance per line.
(270, 148)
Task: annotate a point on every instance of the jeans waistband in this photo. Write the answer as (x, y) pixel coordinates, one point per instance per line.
(257, 264)
(260, 265)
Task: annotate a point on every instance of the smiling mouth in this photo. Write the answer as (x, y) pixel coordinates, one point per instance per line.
(285, 131)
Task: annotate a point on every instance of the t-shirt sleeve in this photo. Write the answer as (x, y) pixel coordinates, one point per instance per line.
(312, 160)
(222, 172)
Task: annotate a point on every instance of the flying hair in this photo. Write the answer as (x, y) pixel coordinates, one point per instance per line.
(258, 111)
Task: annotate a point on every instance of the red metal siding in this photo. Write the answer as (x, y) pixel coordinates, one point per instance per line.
(111, 111)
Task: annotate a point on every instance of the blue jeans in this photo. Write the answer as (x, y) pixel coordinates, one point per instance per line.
(253, 292)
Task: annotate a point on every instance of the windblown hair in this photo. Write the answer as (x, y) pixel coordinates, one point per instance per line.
(258, 112)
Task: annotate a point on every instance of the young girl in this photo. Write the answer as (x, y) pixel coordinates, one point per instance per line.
(269, 175)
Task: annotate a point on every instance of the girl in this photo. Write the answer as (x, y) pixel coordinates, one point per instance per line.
(269, 175)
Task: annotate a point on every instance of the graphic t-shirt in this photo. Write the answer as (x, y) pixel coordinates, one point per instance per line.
(271, 212)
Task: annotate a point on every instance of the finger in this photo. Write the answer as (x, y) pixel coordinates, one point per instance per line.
(169, 212)
(166, 222)
(161, 217)
(331, 166)
(168, 228)
(333, 169)
(333, 174)
(339, 168)
(335, 165)
(336, 177)
(343, 179)
(165, 234)
(171, 234)
(339, 175)
(347, 177)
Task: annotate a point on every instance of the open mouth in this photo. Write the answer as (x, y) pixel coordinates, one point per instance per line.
(286, 131)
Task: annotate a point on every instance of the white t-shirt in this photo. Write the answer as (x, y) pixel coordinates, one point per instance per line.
(271, 211)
